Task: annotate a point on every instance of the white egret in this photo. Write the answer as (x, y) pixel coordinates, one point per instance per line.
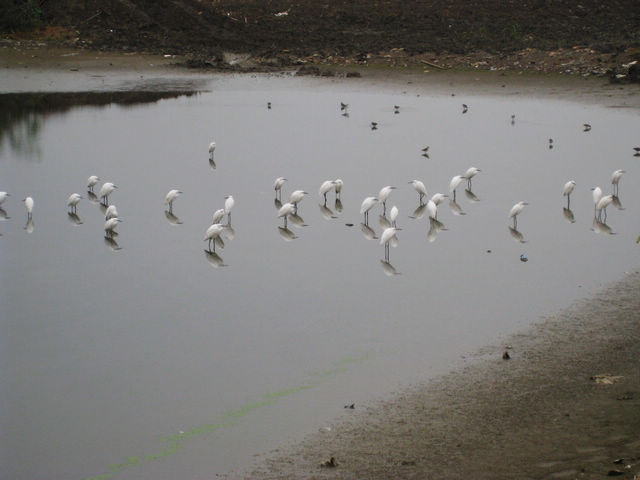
(393, 215)
(110, 226)
(325, 187)
(212, 148)
(367, 204)
(337, 185)
(286, 209)
(171, 196)
(105, 190)
(432, 209)
(597, 195)
(229, 202)
(92, 181)
(218, 215)
(3, 197)
(419, 187)
(470, 173)
(615, 178)
(438, 198)
(453, 184)
(73, 201)
(386, 237)
(277, 185)
(515, 210)
(603, 203)
(567, 189)
(212, 233)
(28, 204)
(111, 212)
(296, 197)
(383, 194)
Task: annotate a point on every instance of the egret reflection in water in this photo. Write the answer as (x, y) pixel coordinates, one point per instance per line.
(92, 197)
(74, 219)
(338, 205)
(296, 220)
(517, 235)
(171, 218)
(368, 232)
(567, 213)
(471, 196)
(388, 269)
(326, 212)
(418, 213)
(111, 243)
(286, 234)
(214, 259)
(601, 227)
(29, 226)
(3, 214)
(384, 222)
(435, 227)
(455, 207)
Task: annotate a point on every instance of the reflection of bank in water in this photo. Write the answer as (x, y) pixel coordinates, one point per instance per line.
(22, 115)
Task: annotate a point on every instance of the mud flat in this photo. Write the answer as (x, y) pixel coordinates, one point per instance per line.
(565, 405)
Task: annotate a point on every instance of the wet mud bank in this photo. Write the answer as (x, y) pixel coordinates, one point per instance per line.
(565, 405)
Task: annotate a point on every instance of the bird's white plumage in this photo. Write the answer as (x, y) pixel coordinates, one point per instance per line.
(212, 147)
(297, 196)
(516, 209)
(471, 172)
(367, 204)
(92, 181)
(171, 196)
(28, 204)
(218, 215)
(111, 224)
(111, 212)
(286, 209)
(3, 197)
(418, 187)
(73, 199)
(432, 209)
(568, 187)
(597, 194)
(387, 235)
(277, 185)
(384, 193)
(106, 189)
(229, 202)
(337, 184)
(438, 198)
(393, 214)
(213, 231)
(615, 176)
(325, 187)
(455, 181)
(604, 202)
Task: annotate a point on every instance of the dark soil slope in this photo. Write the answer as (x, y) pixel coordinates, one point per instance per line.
(343, 27)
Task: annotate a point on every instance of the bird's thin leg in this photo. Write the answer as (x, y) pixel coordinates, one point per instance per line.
(285, 221)
(228, 220)
(421, 196)
(515, 222)
(454, 196)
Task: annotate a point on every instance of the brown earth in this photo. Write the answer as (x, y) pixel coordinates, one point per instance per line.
(586, 37)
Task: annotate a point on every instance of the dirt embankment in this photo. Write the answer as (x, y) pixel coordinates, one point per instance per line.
(587, 37)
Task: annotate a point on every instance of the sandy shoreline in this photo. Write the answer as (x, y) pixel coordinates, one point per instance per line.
(544, 413)
(538, 415)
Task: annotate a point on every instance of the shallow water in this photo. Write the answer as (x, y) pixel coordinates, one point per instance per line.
(147, 359)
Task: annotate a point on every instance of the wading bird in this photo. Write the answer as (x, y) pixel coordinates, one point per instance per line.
(105, 191)
(73, 200)
(171, 196)
(367, 204)
(515, 210)
(92, 181)
(28, 204)
(419, 187)
(567, 189)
